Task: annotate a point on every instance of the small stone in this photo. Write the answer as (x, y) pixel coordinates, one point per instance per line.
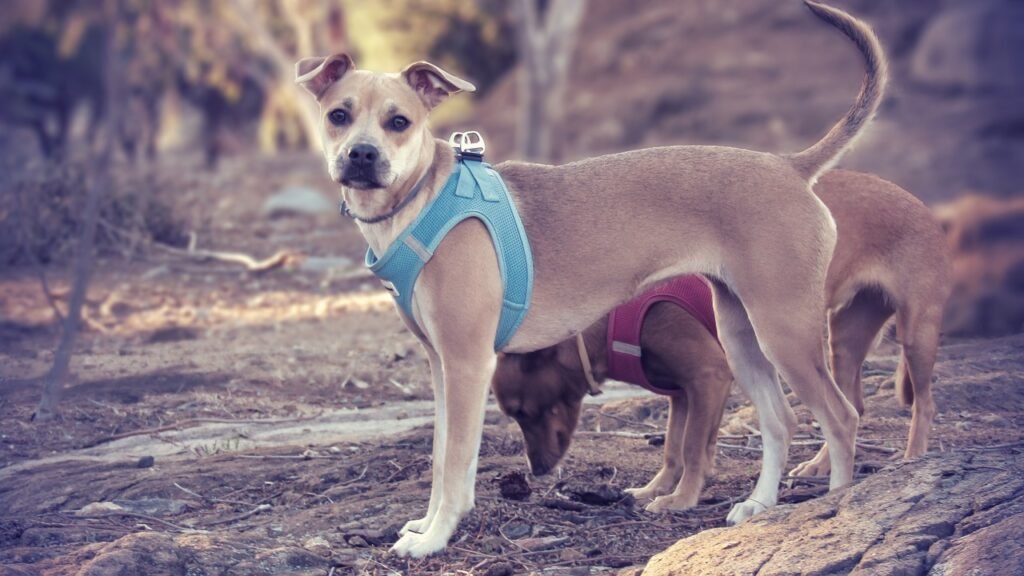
(317, 544)
(297, 200)
(597, 495)
(357, 542)
(145, 462)
(534, 544)
(500, 569)
(513, 486)
(515, 530)
(98, 509)
(570, 554)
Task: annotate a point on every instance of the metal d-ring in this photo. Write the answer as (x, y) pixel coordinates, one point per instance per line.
(471, 143)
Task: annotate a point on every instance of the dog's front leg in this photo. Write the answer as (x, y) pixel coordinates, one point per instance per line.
(465, 394)
(440, 437)
(672, 465)
(459, 296)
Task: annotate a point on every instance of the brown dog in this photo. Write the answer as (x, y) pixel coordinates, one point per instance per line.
(890, 259)
(746, 219)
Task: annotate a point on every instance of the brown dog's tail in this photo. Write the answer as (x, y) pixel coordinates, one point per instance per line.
(820, 157)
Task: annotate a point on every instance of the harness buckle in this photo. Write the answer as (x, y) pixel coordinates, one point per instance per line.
(469, 145)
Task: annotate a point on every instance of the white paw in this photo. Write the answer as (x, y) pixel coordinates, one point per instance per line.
(415, 526)
(743, 511)
(418, 545)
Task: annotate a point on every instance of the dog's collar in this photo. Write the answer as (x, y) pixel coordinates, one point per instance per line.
(588, 369)
(344, 210)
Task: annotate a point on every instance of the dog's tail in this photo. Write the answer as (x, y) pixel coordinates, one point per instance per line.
(822, 155)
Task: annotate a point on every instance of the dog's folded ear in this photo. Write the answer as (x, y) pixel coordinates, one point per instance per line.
(433, 84)
(317, 74)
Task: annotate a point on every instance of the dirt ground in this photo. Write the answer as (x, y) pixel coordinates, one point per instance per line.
(226, 422)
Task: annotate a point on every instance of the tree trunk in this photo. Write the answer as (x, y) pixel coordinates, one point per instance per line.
(545, 50)
(100, 182)
(306, 17)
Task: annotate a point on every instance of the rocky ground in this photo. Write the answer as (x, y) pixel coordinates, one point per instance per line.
(238, 423)
(230, 422)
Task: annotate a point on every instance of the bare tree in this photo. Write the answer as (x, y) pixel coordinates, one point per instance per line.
(99, 182)
(318, 27)
(546, 43)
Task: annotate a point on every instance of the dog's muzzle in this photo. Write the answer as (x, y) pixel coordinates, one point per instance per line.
(361, 168)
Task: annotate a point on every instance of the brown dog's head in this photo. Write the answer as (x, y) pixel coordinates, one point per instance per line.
(373, 126)
(543, 392)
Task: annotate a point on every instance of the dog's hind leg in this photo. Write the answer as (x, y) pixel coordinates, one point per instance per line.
(852, 332)
(919, 332)
(757, 378)
(440, 438)
(789, 326)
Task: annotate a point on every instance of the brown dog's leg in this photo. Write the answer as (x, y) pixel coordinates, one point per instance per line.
(672, 467)
(701, 423)
(852, 331)
(718, 395)
(919, 331)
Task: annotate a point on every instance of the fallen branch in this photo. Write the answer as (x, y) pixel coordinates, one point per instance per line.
(619, 433)
(147, 517)
(254, 511)
(189, 423)
(280, 258)
(209, 498)
(628, 421)
(991, 447)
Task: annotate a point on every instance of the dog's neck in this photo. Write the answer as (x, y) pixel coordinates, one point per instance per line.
(594, 338)
(434, 167)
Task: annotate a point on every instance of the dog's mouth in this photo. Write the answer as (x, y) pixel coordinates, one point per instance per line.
(360, 178)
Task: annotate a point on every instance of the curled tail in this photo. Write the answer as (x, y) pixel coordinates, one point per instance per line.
(813, 161)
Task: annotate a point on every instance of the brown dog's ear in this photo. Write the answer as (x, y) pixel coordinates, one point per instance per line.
(533, 361)
(317, 74)
(433, 84)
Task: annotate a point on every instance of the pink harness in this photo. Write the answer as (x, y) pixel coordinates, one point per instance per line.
(691, 293)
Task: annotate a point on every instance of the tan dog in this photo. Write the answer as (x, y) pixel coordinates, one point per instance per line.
(890, 258)
(748, 220)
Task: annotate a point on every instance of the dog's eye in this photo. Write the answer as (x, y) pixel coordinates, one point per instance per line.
(399, 123)
(338, 117)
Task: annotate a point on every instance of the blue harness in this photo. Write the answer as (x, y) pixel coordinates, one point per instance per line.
(474, 190)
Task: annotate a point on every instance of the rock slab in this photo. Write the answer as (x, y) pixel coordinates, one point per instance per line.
(947, 514)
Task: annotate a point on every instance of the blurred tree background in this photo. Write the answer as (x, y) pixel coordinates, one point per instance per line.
(194, 103)
(217, 73)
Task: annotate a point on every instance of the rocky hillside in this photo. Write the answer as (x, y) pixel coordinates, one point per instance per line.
(769, 75)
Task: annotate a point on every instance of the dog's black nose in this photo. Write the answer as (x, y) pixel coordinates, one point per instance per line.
(363, 155)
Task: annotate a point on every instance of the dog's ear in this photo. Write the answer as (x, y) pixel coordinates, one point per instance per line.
(533, 361)
(317, 74)
(433, 84)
